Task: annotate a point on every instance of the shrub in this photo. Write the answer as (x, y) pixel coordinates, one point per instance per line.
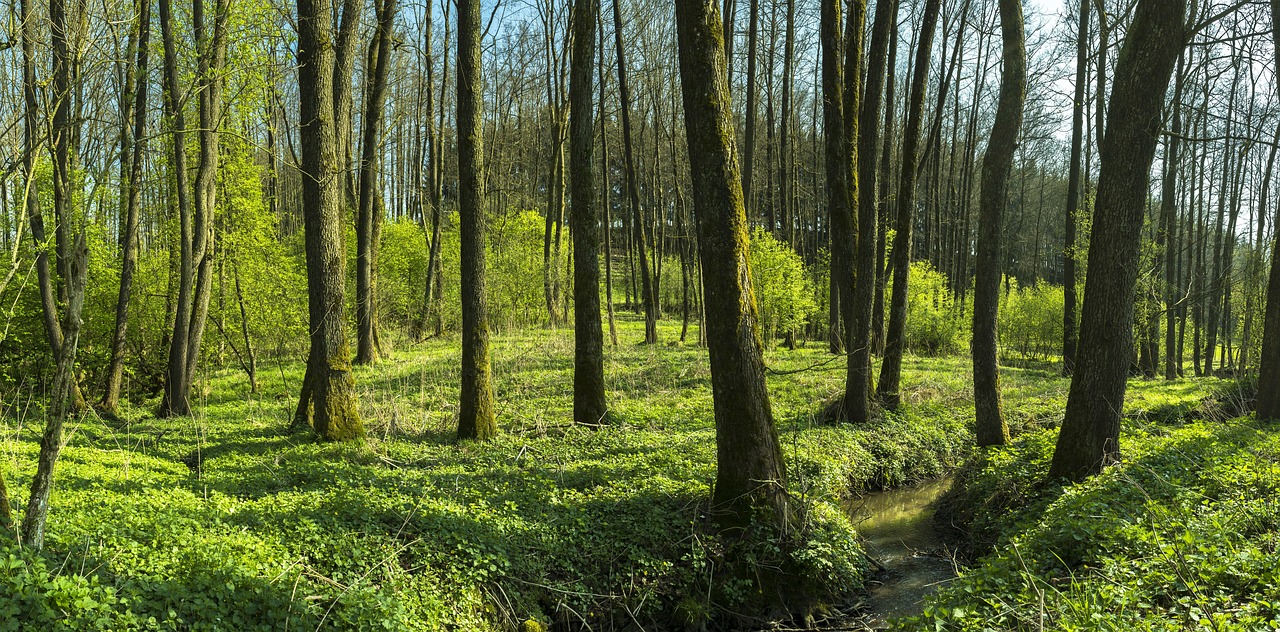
(783, 288)
(1031, 321)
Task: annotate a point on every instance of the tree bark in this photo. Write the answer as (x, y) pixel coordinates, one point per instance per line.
(857, 391)
(750, 472)
(136, 144)
(891, 367)
(475, 413)
(990, 424)
(589, 406)
(369, 219)
(1090, 434)
(328, 397)
(1069, 326)
(1269, 361)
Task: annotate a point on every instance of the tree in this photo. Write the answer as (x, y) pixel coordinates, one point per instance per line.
(73, 258)
(750, 472)
(1269, 361)
(891, 366)
(196, 220)
(133, 147)
(475, 412)
(990, 423)
(857, 392)
(369, 210)
(641, 235)
(328, 399)
(1073, 194)
(589, 406)
(1090, 434)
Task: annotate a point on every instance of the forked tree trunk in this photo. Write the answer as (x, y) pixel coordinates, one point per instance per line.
(857, 390)
(328, 398)
(750, 473)
(369, 216)
(990, 424)
(1090, 434)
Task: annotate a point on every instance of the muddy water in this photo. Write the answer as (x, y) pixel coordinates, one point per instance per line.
(897, 530)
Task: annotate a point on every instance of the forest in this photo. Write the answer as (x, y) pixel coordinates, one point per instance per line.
(628, 315)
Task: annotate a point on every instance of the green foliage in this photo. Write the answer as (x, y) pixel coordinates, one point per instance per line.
(1182, 536)
(934, 326)
(783, 288)
(1031, 320)
(223, 521)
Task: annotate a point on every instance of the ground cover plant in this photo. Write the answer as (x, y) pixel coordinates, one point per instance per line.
(228, 520)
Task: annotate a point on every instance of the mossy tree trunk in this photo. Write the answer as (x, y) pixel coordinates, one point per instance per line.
(1269, 361)
(990, 424)
(1090, 434)
(328, 397)
(475, 412)
(837, 168)
(857, 390)
(895, 338)
(588, 351)
(750, 473)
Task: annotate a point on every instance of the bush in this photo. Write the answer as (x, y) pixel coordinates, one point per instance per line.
(934, 325)
(1031, 321)
(783, 288)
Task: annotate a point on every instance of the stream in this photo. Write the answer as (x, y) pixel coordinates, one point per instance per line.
(898, 533)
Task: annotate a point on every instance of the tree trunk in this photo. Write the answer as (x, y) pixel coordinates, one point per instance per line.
(344, 50)
(1090, 433)
(641, 235)
(857, 391)
(328, 397)
(750, 472)
(589, 406)
(475, 413)
(606, 188)
(132, 193)
(368, 217)
(1069, 326)
(1269, 361)
(891, 367)
(990, 424)
(1168, 224)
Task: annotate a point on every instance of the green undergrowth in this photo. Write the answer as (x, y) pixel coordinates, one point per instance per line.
(1183, 535)
(225, 521)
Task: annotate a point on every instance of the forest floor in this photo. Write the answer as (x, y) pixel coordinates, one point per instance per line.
(227, 521)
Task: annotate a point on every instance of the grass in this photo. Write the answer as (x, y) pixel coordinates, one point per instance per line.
(225, 521)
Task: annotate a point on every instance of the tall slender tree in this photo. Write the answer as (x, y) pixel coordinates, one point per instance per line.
(990, 423)
(132, 154)
(589, 406)
(857, 392)
(1090, 434)
(1069, 326)
(369, 210)
(475, 412)
(750, 472)
(891, 366)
